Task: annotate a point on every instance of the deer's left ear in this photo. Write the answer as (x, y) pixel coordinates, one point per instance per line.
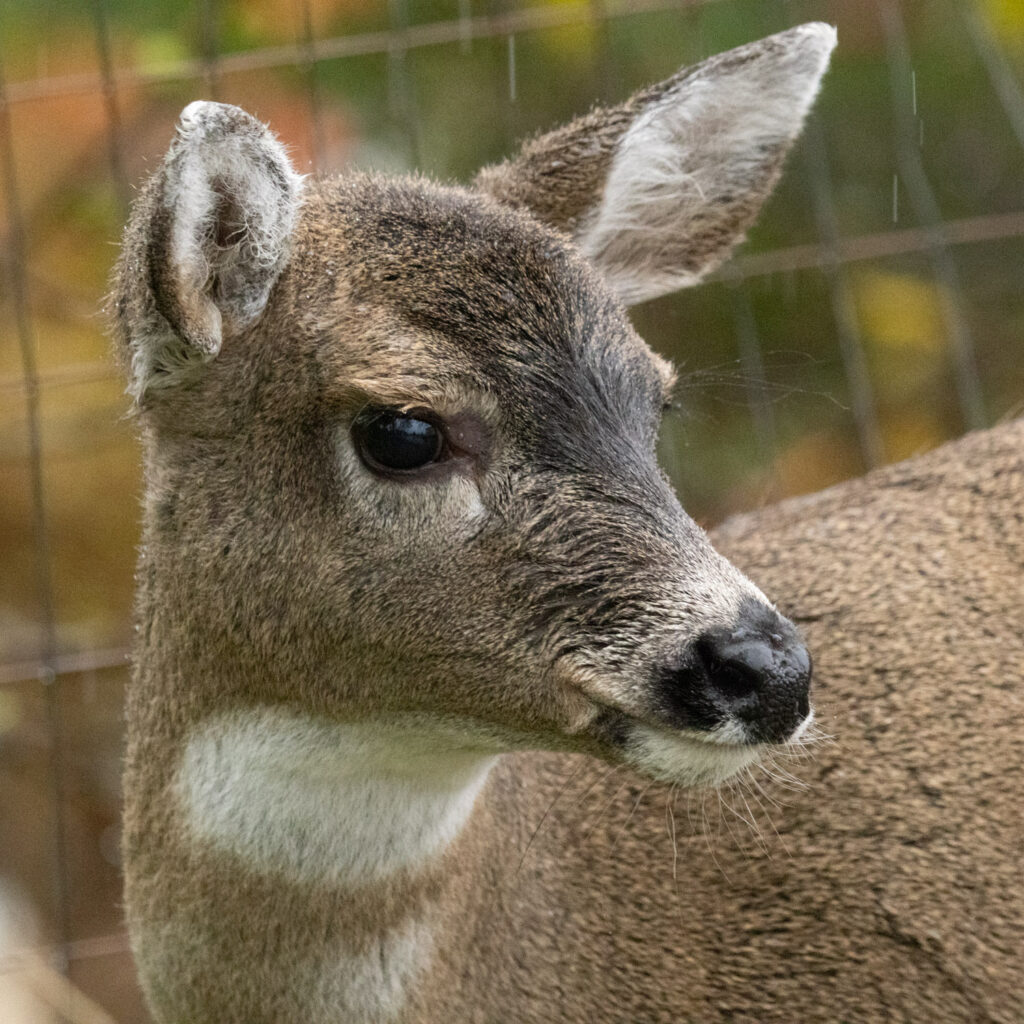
(657, 191)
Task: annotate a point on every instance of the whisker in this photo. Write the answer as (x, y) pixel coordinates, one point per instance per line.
(707, 835)
(689, 813)
(629, 817)
(670, 806)
(755, 782)
(735, 788)
(597, 821)
(723, 806)
(669, 800)
(550, 807)
(778, 835)
(780, 776)
(741, 792)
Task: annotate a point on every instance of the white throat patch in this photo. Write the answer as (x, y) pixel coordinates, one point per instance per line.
(314, 801)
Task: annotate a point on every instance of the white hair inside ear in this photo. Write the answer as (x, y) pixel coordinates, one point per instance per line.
(215, 226)
(690, 173)
(233, 196)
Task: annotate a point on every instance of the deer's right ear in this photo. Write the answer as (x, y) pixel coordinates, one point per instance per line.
(657, 191)
(209, 236)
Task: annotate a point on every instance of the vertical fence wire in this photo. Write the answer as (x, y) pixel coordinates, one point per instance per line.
(607, 79)
(401, 99)
(465, 26)
(926, 209)
(16, 263)
(209, 46)
(752, 364)
(1006, 86)
(309, 68)
(844, 310)
(115, 135)
(513, 78)
(501, 10)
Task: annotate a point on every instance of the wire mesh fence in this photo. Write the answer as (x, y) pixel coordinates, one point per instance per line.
(875, 313)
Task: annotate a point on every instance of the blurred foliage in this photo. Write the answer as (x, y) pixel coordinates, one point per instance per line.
(1007, 20)
(765, 406)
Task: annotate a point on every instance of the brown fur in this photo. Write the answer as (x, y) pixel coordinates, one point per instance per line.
(888, 889)
(534, 591)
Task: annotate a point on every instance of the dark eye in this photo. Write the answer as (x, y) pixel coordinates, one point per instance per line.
(394, 441)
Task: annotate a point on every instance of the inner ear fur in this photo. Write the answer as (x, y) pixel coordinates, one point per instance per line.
(658, 190)
(208, 237)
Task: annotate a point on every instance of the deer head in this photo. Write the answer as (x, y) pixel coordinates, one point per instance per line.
(400, 437)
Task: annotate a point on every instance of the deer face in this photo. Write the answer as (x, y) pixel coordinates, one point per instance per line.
(401, 437)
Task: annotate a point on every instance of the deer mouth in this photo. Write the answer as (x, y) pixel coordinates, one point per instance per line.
(692, 759)
(687, 757)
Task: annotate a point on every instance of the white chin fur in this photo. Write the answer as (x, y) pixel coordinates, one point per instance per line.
(689, 761)
(698, 759)
(801, 730)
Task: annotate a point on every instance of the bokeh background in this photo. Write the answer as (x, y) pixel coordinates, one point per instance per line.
(875, 312)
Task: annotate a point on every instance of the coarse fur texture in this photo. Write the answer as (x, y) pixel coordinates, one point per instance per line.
(346, 674)
(887, 889)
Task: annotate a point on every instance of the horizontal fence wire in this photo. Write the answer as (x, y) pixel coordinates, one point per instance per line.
(17, 673)
(462, 30)
(93, 948)
(993, 227)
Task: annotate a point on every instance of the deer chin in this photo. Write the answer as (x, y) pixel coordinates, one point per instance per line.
(689, 758)
(683, 757)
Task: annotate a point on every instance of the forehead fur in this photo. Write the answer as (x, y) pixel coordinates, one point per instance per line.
(448, 285)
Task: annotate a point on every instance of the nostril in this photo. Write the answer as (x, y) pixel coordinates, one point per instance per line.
(735, 680)
(737, 664)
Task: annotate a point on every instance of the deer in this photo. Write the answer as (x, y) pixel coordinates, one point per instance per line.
(412, 589)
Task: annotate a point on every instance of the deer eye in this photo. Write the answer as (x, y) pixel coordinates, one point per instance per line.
(390, 441)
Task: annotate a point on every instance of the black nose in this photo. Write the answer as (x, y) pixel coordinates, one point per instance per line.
(757, 672)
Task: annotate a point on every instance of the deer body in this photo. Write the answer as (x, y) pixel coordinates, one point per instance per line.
(404, 531)
(890, 891)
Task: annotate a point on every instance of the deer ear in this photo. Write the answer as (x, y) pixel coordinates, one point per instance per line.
(656, 192)
(209, 236)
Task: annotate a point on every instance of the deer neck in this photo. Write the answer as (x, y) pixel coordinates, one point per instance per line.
(345, 843)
